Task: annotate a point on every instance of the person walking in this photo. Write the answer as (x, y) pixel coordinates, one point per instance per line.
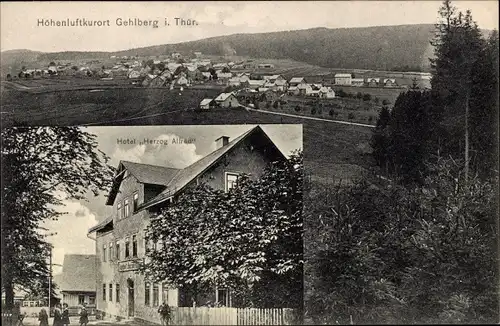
(57, 315)
(84, 315)
(165, 313)
(65, 315)
(43, 318)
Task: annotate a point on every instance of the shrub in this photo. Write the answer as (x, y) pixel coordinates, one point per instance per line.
(350, 116)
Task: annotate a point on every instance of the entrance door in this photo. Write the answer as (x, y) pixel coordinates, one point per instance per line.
(130, 284)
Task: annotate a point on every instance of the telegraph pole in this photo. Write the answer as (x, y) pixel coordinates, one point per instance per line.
(50, 274)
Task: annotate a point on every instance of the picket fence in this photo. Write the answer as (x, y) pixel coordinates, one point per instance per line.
(231, 316)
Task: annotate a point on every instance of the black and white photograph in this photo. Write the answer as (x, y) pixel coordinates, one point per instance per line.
(250, 162)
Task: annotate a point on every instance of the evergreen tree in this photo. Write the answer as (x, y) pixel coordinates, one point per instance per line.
(460, 80)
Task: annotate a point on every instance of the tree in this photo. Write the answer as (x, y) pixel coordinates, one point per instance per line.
(248, 239)
(367, 97)
(457, 69)
(41, 166)
(350, 116)
(52, 63)
(226, 70)
(403, 141)
(387, 253)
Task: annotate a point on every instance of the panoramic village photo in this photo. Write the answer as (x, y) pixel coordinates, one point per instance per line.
(250, 163)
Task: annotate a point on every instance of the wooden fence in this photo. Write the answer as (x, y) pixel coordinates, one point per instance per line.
(231, 316)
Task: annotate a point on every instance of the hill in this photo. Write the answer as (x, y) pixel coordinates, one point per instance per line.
(404, 47)
(377, 48)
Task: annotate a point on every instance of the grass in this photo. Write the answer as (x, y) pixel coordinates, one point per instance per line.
(332, 151)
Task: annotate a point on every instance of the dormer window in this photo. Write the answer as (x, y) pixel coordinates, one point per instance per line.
(231, 179)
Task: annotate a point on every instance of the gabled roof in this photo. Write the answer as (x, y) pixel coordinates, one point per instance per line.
(296, 80)
(144, 173)
(223, 96)
(206, 101)
(78, 274)
(188, 174)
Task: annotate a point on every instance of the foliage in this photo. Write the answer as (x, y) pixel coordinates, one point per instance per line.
(402, 141)
(465, 81)
(386, 253)
(40, 165)
(248, 239)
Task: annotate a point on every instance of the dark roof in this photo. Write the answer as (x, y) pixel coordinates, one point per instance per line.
(101, 225)
(145, 173)
(78, 274)
(186, 175)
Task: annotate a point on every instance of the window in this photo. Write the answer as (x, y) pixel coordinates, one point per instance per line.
(110, 256)
(81, 299)
(164, 290)
(119, 209)
(92, 300)
(134, 246)
(127, 208)
(222, 297)
(104, 252)
(117, 298)
(136, 201)
(147, 293)
(110, 292)
(231, 179)
(104, 292)
(127, 250)
(156, 297)
(117, 250)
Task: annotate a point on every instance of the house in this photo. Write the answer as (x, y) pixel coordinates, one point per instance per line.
(235, 81)
(372, 81)
(147, 80)
(77, 282)
(326, 92)
(227, 100)
(137, 193)
(198, 54)
(304, 89)
(176, 55)
(52, 70)
(206, 75)
(265, 66)
(314, 93)
(167, 74)
(293, 90)
(255, 84)
(158, 81)
(207, 103)
(343, 79)
(133, 74)
(388, 82)
(182, 80)
(296, 81)
(223, 75)
(357, 81)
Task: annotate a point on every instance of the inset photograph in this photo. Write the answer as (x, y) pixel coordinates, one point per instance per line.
(183, 225)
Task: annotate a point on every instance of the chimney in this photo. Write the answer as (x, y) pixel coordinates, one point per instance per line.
(221, 142)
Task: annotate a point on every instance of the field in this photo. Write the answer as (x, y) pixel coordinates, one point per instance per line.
(332, 151)
(345, 109)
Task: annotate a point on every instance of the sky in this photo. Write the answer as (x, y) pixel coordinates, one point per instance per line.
(20, 29)
(71, 228)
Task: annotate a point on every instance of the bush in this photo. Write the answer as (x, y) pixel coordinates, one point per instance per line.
(385, 102)
(331, 112)
(367, 97)
(359, 95)
(313, 110)
(350, 116)
(297, 108)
